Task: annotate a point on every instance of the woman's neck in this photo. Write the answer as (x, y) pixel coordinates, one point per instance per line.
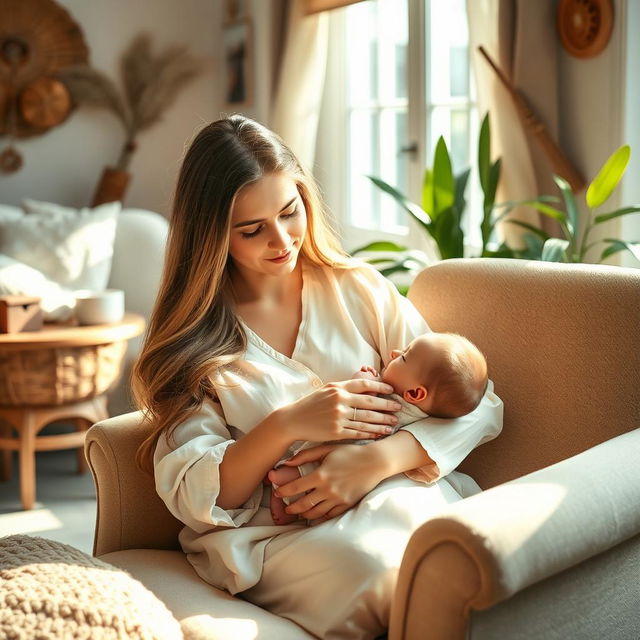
(255, 288)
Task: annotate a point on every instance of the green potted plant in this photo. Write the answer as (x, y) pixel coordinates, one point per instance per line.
(576, 243)
(443, 207)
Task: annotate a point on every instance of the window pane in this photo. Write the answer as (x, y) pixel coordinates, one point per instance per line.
(393, 37)
(362, 48)
(447, 41)
(453, 125)
(393, 165)
(459, 72)
(377, 45)
(363, 144)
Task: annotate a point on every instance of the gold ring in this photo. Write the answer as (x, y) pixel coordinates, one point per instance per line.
(354, 414)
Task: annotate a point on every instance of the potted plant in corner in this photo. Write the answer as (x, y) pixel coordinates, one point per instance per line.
(576, 242)
(442, 212)
(151, 83)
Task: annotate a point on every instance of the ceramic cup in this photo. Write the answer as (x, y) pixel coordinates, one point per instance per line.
(99, 307)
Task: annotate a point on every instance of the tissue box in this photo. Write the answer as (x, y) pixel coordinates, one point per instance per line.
(20, 313)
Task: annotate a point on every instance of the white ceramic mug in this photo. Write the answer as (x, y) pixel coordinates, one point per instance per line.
(99, 307)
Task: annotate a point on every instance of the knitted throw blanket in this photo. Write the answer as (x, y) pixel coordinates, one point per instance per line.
(51, 590)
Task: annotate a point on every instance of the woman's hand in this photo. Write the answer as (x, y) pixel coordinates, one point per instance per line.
(347, 473)
(341, 411)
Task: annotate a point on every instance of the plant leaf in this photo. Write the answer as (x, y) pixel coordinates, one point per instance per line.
(427, 192)
(443, 182)
(448, 235)
(538, 232)
(609, 176)
(460, 187)
(554, 250)
(603, 217)
(620, 245)
(511, 204)
(534, 245)
(381, 245)
(548, 211)
(484, 152)
(419, 214)
(403, 265)
(488, 223)
(572, 218)
(93, 88)
(503, 251)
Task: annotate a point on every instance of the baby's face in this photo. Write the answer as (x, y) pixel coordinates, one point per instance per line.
(404, 367)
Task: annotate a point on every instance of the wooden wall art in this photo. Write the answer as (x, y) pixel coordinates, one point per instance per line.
(585, 26)
(37, 39)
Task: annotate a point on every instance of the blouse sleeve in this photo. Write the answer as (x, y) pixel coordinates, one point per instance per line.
(187, 472)
(394, 322)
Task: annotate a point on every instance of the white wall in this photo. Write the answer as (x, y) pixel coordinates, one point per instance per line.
(599, 103)
(64, 165)
(630, 225)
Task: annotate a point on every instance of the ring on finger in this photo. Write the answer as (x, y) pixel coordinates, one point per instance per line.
(354, 414)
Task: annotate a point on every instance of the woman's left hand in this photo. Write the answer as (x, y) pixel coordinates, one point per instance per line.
(347, 472)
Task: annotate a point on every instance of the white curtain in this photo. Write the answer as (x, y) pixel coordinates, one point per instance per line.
(520, 36)
(300, 83)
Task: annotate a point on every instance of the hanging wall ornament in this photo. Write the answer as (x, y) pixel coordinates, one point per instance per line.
(585, 26)
(38, 38)
(14, 56)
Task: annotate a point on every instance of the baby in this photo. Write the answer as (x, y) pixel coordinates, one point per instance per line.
(442, 375)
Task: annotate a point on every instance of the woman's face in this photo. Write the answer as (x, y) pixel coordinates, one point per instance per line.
(268, 226)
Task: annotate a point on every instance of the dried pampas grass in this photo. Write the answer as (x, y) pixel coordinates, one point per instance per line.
(151, 85)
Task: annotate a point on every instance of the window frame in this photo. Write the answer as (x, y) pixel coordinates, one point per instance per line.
(332, 152)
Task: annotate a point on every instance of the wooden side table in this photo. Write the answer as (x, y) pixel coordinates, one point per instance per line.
(61, 372)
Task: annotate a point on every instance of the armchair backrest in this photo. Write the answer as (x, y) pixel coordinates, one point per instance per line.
(561, 343)
(562, 347)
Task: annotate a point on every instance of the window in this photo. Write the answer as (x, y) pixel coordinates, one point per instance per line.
(398, 78)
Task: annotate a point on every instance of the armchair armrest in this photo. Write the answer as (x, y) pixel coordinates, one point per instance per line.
(486, 548)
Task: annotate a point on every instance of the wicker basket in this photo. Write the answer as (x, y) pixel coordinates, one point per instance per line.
(55, 376)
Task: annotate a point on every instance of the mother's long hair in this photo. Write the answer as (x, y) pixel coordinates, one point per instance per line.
(193, 330)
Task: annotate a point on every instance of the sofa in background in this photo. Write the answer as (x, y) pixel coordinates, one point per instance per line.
(550, 549)
(136, 268)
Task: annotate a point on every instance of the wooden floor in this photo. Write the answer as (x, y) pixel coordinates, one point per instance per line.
(65, 507)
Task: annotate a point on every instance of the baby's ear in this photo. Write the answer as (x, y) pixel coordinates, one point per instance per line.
(417, 395)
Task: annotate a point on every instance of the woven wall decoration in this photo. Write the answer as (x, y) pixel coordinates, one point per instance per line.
(37, 39)
(585, 26)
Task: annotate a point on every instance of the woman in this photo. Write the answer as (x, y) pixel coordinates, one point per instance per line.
(259, 321)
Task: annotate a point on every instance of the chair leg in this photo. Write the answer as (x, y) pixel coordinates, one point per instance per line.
(6, 460)
(27, 456)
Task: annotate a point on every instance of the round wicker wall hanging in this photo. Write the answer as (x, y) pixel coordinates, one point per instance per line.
(37, 39)
(585, 26)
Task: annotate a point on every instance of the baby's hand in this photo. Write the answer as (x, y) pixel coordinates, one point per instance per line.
(366, 369)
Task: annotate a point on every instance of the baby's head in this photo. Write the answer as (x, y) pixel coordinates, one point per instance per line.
(443, 374)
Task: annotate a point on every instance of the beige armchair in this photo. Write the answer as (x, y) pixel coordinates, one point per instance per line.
(549, 549)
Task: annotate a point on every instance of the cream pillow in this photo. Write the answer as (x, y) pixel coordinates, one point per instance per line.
(71, 247)
(17, 278)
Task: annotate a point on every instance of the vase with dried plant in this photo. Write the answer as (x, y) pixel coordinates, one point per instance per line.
(151, 83)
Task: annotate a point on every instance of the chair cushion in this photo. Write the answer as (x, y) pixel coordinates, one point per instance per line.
(203, 610)
(51, 590)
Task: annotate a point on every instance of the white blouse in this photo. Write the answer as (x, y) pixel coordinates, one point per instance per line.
(350, 318)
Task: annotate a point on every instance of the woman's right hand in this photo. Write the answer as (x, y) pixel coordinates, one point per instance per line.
(328, 413)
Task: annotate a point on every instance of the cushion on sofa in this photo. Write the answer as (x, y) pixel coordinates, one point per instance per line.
(51, 590)
(72, 247)
(49, 250)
